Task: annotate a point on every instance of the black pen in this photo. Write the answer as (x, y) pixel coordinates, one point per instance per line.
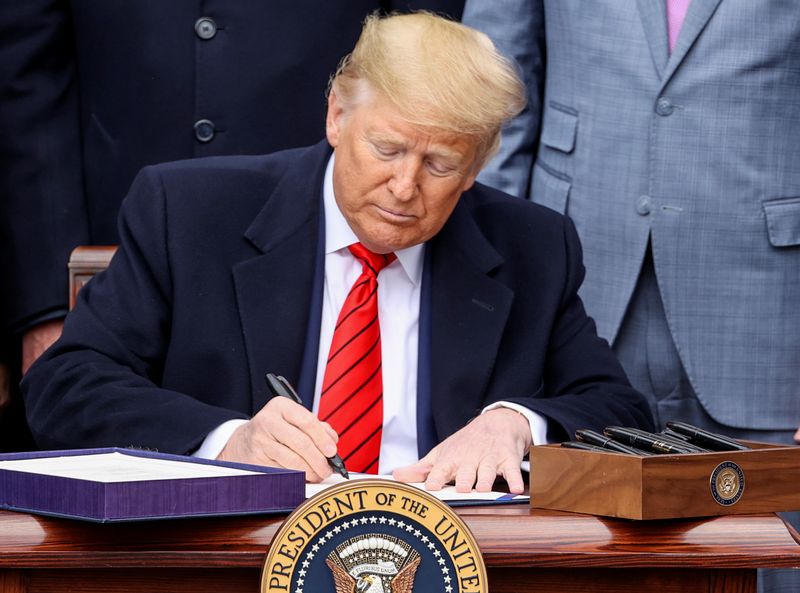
(695, 448)
(712, 440)
(671, 440)
(280, 386)
(595, 438)
(586, 447)
(649, 441)
(674, 440)
(675, 435)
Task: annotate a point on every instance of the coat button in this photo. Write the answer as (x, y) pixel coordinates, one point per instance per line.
(205, 28)
(644, 205)
(664, 107)
(204, 130)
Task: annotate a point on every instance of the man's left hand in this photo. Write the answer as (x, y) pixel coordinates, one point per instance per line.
(492, 444)
(797, 436)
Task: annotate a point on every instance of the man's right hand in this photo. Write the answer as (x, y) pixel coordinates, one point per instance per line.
(284, 434)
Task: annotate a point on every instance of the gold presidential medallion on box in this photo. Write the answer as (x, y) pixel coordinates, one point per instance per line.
(727, 483)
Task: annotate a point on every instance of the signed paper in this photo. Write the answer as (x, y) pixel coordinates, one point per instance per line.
(447, 494)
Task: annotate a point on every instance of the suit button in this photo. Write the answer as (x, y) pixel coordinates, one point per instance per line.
(205, 28)
(664, 107)
(644, 205)
(204, 130)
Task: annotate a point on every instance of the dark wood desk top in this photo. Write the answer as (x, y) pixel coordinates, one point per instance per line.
(509, 536)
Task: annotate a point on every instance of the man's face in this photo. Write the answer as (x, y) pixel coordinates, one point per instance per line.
(395, 184)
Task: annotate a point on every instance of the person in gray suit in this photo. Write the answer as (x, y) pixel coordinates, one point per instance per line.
(671, 137)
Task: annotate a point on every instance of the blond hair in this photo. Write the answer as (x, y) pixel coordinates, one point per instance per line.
(439, 74)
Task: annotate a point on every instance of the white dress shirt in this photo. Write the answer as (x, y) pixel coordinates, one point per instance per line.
(399, 289)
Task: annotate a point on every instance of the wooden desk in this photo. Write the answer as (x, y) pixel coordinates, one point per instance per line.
(525, 550)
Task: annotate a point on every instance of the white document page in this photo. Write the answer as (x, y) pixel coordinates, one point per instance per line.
(118, 467)
(446, 494)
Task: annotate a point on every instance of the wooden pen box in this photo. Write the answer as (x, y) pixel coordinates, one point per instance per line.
(764, 479)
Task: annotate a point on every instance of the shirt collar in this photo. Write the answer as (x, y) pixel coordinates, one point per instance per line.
(339, 235)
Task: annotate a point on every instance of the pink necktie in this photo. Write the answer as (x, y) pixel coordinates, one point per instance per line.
(676, 12)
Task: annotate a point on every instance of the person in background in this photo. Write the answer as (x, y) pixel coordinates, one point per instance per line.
(416, 311)
(5, 393)
(668, 131)
(14, 434)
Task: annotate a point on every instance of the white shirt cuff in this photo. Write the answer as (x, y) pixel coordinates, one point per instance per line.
(216, 440)
(537, 423)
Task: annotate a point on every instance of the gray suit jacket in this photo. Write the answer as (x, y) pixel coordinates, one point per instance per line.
(697, 151)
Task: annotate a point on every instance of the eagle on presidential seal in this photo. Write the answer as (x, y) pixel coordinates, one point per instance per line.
(373, 563)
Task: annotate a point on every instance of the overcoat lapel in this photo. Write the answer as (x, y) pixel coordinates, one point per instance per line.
(469, 311)
(274, 289)
(700, 12)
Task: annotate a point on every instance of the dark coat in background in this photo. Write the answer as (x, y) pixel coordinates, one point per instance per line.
(93, 90)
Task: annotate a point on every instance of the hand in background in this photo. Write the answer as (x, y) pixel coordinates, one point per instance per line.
(492, 444)
(797, 436)
(38, 339)
(284, 434)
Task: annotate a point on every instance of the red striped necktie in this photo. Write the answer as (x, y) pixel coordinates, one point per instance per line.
(352, 389)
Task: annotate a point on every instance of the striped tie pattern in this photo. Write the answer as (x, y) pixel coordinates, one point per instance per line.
(352, 388)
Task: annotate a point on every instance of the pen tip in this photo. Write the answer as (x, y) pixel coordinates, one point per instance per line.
(337, 464)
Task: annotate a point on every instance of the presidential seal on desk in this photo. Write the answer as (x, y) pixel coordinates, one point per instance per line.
(374, 536)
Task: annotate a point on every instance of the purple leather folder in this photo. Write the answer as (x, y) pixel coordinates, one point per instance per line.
(266, 490)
